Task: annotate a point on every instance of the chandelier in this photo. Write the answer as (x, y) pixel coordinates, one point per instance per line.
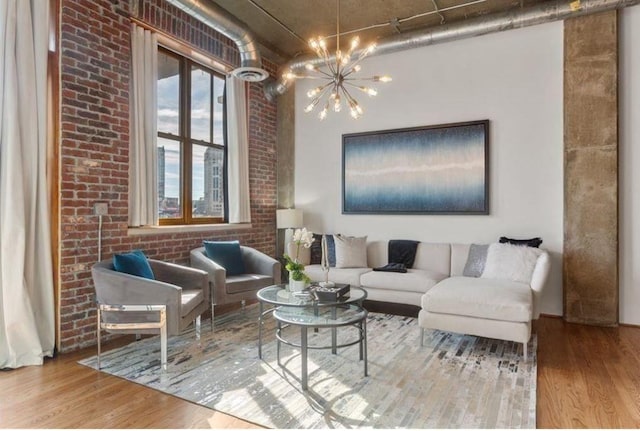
(337, 75)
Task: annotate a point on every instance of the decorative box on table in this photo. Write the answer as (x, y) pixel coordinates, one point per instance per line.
(331, 293)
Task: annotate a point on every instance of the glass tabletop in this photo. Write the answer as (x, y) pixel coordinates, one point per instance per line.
(321, 317)
(279, 295)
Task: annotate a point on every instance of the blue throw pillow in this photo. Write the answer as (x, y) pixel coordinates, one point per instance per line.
(226, 254)
(134, 263)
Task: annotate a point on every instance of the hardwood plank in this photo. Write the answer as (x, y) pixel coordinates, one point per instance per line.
(588, 377)
(64, 394)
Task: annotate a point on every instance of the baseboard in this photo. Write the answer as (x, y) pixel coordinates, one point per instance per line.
(553, 316)
(392, 308)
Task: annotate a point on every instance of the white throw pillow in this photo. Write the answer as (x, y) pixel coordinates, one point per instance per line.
(511, 262)
(351, 251)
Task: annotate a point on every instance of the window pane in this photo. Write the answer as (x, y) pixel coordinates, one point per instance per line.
(218, 92)
(208, 181)
(168, 94)
(169, 179)
(200, 104)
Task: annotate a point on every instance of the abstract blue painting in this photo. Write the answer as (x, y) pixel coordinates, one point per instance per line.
(423, 170)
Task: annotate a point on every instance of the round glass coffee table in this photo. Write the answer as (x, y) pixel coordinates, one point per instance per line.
(279, 296)
(333, 317)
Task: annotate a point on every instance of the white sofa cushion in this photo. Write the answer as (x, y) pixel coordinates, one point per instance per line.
(459, 256)
(351, 251)
(434, 257)
(414, 280)
(337, 275)
(480, 297)
(511, 262)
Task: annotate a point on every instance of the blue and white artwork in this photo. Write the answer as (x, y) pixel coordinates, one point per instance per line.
(438, 170)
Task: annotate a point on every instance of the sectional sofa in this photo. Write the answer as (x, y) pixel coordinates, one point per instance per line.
(496, 307)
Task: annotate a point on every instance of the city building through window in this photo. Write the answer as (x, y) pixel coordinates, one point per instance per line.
(191, 142)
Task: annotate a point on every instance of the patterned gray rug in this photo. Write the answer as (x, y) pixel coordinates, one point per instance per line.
(454, 381)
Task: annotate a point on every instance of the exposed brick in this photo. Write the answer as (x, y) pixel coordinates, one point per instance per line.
(94, 151)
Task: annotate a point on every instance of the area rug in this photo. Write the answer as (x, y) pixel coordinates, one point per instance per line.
(453, 381)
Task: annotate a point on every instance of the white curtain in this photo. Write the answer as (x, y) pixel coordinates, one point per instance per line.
(238, 151)
(143, 152)
(27, 319)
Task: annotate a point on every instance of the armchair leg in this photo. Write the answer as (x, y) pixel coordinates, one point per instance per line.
(212, 316)
(524, 351)
(98, 330)
(421, 337)
(138, 337)
(243, 304)
(198, 327)
(163, 347)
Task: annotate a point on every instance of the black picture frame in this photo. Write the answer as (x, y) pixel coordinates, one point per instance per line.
(439, 169)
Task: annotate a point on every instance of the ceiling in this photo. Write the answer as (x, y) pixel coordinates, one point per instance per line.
(309, 18)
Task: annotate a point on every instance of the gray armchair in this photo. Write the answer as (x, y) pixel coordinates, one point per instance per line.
(136, 305)
(261, 271)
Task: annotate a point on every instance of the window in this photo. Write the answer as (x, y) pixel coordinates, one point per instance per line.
(191, 144)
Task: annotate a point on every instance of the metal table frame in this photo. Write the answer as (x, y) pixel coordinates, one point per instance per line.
(359, 299)
(359, 321)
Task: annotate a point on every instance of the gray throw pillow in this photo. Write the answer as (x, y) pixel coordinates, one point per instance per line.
(476, 260)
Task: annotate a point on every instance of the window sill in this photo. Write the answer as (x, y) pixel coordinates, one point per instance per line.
(158, 230)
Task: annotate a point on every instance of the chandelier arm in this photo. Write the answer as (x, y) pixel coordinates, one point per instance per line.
(368, 78)
(349, 96)
(320, 95)
(323, 88)
(353, 65)
(322, 72)
(353, 85)
(329, 64)
(328, 77)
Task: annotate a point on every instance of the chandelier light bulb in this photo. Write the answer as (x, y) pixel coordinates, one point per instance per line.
(311, 105)
(384, 78)
(337, 106)
(314, 92)
(355, 42)
(323, 114)
(370, 91)
(357, 68)
(370, 49)
(289, 75)
(310, 67)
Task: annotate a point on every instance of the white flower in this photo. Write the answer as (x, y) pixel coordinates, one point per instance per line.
(303, 237)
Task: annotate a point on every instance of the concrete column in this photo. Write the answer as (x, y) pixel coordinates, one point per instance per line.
(286, 156)
(590, 268)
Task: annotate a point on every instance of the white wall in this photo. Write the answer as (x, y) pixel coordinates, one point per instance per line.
(514, 79)
(629, 175)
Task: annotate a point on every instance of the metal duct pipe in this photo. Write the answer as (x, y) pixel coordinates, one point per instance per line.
(539, 14)
(223, 22)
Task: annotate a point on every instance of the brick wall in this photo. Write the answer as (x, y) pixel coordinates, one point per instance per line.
(94, 151)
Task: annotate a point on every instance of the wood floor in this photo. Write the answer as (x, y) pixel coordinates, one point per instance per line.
(588, 377)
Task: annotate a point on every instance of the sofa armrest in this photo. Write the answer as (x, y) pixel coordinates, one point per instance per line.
(539, 280)
(256, 262)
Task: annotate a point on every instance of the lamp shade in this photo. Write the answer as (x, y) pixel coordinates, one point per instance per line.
(288, 218)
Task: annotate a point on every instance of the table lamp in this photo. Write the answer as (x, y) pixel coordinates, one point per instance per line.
(288, 219)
